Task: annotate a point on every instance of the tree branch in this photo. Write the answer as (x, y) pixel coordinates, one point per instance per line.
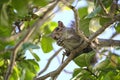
(102, 29)
(108, 42)
(102, 43)
(38, 23)
(55, 73)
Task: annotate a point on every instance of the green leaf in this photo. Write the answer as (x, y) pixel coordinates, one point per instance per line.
(82, 74)
(26, 75)
(81, 60)
(3, 1)
(1, 62)
(15, 74)
(84, 59)
(5, 55)
(4, 17)
(6, 20)
(5, 27)
(29, 75)
(83, 12)
(7, 15)
(94, 13)
(47, 29)
(28, 45)
(76, 71)
(110, 75)
(21, 7)
(118, 60)
(46, 44)
(3, 45)
(35, 55)
(107, 3)
(35, 67)
(103, 21)
(5, 31)
(30, 65)
(53, 25)
(6, 45)
(94, 25)
(84, 26)
(117, 28)
(22, 75)
(117, 77)
(102, 65)
(41, 2)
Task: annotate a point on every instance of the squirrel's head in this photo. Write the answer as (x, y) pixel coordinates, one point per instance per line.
(58, 31)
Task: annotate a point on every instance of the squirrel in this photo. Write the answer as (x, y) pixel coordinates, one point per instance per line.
(68, 39)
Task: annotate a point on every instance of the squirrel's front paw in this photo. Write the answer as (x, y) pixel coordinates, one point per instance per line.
(60, 42)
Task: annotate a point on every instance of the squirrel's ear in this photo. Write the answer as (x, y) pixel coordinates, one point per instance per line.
(60, 24)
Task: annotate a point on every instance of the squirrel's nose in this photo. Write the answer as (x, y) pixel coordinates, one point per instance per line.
(53, 36)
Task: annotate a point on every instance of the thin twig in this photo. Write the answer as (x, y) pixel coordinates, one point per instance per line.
(80, 33)
(38, 23)
(103, 7)
(49, 61)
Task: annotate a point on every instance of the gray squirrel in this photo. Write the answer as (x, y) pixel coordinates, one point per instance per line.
(68, 39)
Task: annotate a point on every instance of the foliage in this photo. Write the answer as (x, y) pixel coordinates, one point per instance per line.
(17, 13)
